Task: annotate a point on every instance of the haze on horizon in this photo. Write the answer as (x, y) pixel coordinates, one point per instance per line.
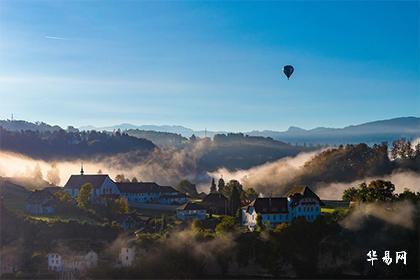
(209, 65)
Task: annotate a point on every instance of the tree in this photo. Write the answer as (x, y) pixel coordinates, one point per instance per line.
(227, 190)
(221, 185)
(377, 190)
(187, 187)
(134, 180)
(213, 188)
(409, 195)
(120, 206)
(350, 194)
(402, 149)
(235, 200)
(249, 195)
(260, 224)
(120, 178)
(163, 223)
(84, 196)
(226, 225)
(63, 196)
(383, 190)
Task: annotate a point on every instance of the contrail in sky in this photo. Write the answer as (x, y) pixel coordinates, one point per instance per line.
(55, 38)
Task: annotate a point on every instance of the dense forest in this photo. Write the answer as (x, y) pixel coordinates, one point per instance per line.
(60, 144)
(239, 151)
(352, 162)
(161, 139)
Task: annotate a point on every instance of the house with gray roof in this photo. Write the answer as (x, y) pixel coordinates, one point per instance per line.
(102, 185)
(150, 192)
(191, 211)
(298, 202)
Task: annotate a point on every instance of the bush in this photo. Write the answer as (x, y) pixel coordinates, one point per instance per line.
(226, 225)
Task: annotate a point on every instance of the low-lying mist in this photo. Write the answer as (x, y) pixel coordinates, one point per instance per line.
(164, 166)
(269, 177)
(169, 166)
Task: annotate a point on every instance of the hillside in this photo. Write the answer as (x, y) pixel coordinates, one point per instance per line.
(350, 163)
(18, 125)
(63, 144)
(161, 139)
(237, 151)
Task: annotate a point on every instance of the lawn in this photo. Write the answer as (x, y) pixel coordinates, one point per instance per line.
(63, 218)
(325, 210)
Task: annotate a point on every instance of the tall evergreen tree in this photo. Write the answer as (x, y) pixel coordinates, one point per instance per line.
(221, 185)
(235, 200)
(213, 188)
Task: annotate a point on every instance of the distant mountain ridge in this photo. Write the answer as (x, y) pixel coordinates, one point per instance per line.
(370, 132)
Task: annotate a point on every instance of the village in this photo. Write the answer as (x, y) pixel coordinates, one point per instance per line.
(147, 207)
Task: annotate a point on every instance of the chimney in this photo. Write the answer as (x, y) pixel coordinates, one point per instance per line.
(81, 170)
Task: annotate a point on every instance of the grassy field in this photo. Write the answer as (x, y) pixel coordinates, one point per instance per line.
(325, 210)
(63, 218)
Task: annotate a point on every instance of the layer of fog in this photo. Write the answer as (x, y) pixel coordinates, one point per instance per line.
(268, 178)
(164, 166)
(169, 166)
(272, 178)
(401, 180)
(397, 213)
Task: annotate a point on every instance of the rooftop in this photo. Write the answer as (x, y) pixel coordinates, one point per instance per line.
(76, 181)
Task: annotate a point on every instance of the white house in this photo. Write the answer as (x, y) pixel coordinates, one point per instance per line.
(126, 256)
(191, 211)
(102, 185)
(300, 202)
(72, 263)
(54, 262)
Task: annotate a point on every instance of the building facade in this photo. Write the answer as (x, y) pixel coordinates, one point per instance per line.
(150, 192)
(191, 211)
(299, 202)
(101, 183)
(41, 203)
(127, 256)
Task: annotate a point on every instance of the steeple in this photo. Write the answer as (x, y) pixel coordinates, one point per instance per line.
(81, 170)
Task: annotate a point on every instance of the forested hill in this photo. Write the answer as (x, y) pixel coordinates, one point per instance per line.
(239, 151)
(18, 125)
(353, 162)
(161, 139)
(61, 144)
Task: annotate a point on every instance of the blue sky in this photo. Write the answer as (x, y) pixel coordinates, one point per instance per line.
(214, 65)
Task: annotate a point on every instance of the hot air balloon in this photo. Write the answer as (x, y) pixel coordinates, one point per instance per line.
(288, 70)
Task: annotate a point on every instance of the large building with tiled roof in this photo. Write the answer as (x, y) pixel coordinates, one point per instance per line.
(150, 192)
(298, 202)
(138, 192)
(102, 185)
